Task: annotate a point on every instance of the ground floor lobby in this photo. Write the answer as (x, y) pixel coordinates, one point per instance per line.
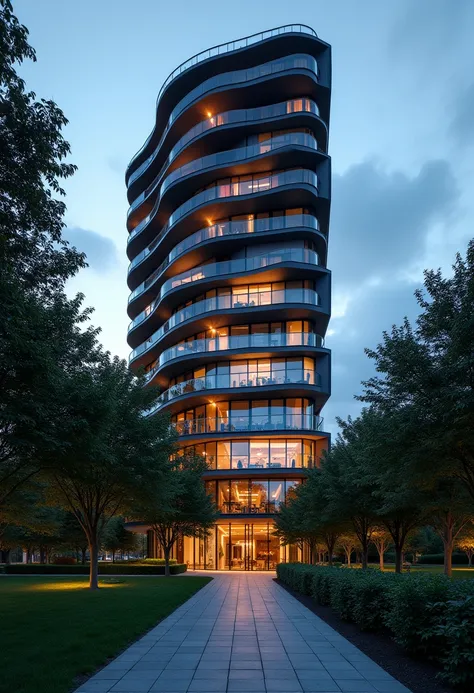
(232, 545)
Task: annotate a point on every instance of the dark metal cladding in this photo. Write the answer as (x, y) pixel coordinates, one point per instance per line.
(230, 293)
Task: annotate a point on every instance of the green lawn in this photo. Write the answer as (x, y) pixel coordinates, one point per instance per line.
(459, 572)
(54, 630)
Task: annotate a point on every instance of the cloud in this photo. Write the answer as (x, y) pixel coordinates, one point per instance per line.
(100, 250)
(462, 124)
(376, 310)
(380, 220)
(430, 30)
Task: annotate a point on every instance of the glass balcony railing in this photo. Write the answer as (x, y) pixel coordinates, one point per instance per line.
(230, 46)
(227, 157)
(228, 302)
(292, 62)
(224, 228)
(241, 115)
(285, 421)
(237, 380)
(225, 343)
(244, 187)
(219, 269)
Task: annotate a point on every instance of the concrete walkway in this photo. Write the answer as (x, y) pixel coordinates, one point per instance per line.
(242, 633)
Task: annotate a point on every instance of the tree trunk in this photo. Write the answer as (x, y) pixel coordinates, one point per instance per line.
(113, 556)
(365, 553)
(83, 555)
(166, 551)
(398, 559)
(448, 554)
(381, 555)
(94, 565)
(42, 554)
(469, 560)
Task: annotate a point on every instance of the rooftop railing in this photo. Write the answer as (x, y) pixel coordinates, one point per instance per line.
(298, 61)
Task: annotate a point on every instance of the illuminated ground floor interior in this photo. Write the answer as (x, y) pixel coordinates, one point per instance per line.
(232, 545)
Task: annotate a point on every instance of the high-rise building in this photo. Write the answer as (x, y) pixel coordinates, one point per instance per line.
(230, 294)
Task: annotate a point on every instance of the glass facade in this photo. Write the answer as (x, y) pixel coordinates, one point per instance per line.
(258, 453)
(239, 545)
(250, 496)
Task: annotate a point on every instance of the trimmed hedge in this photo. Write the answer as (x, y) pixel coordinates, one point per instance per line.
(145, 561)
(438, 559)
(429, 615)
(104, 569)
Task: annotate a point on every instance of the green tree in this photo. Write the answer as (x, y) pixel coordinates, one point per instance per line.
(117, 538)
(348, 542)
(177, 505)
(427, 373)
(465, 542)
(33, 253)
(399, 495)
(38, 320)
(348, 480)
(112, 447)
(381, 539)
(304, 520)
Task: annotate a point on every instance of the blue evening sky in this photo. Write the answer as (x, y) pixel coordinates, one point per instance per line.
(402, 140)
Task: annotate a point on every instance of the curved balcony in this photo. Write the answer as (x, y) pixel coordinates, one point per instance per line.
(230, 46)
(221, 230)
(217, 424)
(219, 159)
(226, 303)
(211, 345)
(221, 269)
(222, 80)
(237, 380)
(230, 190)
(222, 159)
(237, 117)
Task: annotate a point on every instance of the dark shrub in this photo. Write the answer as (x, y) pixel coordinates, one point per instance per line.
(438, 559)
(410, 615)
(104, 569)
(457, 632)
(64, 560)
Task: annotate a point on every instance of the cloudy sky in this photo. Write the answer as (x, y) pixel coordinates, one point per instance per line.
(402, 141)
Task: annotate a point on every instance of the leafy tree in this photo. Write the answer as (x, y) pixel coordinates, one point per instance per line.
(465, 542)
(450, 512)
(427, 373)
(399, 496)
(117, 538)
(348, 480)
(112, 447)
(303, 521)
(32, 250)
(381, 539)
(348, 542)
(35, 262)
(177, 505)
(39, 343)
(73, 537)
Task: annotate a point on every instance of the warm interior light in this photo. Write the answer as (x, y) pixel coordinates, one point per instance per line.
(210, 222)
(209, 114)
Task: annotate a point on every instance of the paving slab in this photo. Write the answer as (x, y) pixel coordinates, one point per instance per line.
(242, 633)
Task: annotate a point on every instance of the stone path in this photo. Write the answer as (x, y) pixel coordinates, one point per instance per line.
(242, 633)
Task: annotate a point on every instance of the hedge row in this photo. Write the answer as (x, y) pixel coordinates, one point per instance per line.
(104, 569)
(145, 561)
(438, 559)
(427, 614)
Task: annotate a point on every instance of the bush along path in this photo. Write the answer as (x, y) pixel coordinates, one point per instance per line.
(429, 615)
